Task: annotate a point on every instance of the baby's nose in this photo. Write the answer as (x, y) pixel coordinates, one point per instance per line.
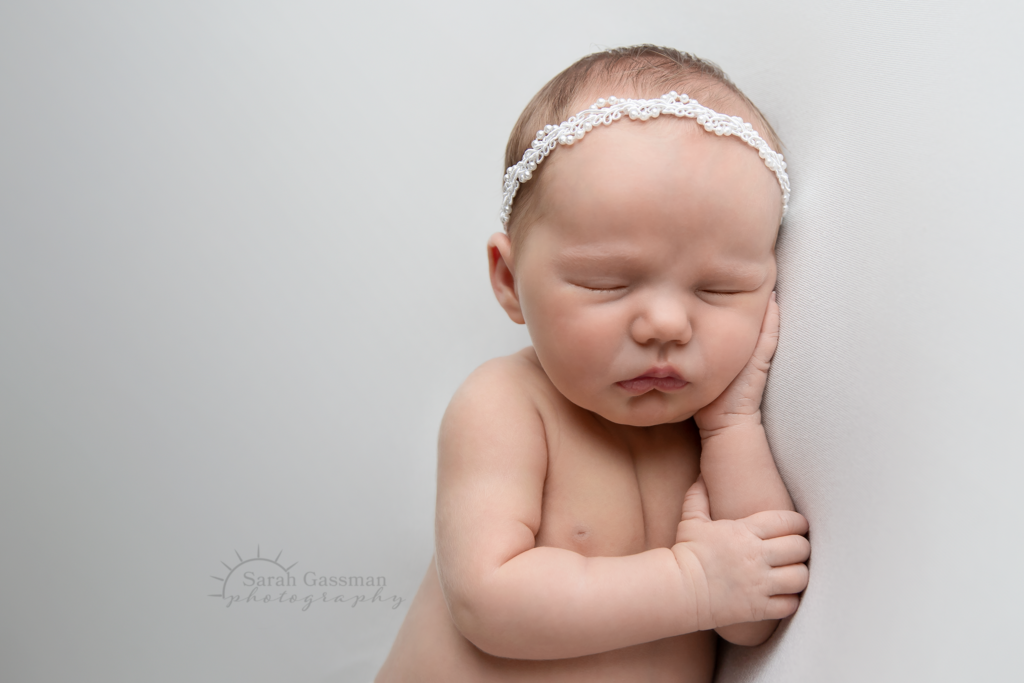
(663, 319)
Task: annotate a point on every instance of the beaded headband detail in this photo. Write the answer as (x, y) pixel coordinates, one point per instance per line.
(606, 111)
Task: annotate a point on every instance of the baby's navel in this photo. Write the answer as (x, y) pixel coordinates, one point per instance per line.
(580, 533)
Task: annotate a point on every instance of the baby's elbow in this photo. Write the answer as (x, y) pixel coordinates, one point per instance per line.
(482, 621)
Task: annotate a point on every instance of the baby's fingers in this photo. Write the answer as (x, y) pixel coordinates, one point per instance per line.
(769, 337)
(781, 606)
(695, 502)
(778, 552)
(775, 523)
(788, 580)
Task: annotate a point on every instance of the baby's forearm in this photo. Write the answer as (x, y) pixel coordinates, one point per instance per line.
(741, 477)
(551, 603)
(740, 473)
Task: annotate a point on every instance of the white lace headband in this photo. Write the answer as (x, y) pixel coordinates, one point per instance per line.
(606, 111)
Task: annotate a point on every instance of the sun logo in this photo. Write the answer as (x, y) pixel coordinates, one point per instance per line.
(256, 571)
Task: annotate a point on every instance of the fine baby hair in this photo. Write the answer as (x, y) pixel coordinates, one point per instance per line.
(643, 70)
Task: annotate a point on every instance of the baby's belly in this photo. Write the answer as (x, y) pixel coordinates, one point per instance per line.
(429, 649)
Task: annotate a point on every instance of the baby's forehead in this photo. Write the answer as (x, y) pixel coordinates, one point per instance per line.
(623, 222)
(667, 163)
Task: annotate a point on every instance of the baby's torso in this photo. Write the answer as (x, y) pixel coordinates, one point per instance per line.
(608, 492)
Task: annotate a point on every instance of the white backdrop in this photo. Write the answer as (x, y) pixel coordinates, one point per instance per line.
(242, 269)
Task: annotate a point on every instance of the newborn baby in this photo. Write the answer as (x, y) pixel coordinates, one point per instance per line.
(587, 485)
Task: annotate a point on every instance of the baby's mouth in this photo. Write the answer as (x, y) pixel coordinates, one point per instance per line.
(660, 379)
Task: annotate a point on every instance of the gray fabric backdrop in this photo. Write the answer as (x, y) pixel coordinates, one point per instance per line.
(242, 271)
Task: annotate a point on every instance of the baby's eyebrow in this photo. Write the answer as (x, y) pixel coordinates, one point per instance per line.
(739, 270)
(625, 256)
(599, 255)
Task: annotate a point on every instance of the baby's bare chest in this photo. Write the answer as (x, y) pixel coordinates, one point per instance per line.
(611, 491)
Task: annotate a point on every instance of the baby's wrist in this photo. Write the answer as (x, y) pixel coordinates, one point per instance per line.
(719, 424)
(698, 617)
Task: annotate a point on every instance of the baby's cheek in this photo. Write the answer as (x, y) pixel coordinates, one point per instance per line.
(586, 360)
(733, 350)
(570, 347)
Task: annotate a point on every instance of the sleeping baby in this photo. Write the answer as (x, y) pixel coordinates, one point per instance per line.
(606, 498)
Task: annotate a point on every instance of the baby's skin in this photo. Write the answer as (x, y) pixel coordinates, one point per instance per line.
(607, 499)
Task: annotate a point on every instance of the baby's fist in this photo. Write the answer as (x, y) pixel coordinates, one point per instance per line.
(742, 570)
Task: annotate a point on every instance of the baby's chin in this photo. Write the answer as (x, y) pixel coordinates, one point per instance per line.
(651, 411)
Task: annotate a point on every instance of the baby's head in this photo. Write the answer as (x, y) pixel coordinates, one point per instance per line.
(642, 258)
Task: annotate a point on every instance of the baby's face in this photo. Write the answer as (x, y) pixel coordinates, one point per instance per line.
(646, 275)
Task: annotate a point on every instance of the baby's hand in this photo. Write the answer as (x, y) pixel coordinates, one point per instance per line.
(744, 570)
(741, 401)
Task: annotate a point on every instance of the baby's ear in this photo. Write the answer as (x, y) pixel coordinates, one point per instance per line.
(500, 265)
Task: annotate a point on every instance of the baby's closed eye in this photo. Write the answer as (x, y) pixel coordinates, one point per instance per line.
(722, 292)
(602, 285)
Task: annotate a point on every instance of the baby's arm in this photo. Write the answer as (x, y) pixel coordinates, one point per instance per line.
(736, 462)
(513, 599)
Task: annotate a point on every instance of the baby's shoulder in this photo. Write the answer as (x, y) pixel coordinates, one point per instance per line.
(499, 403)
(508, 388)
(520, 370)
(510, 381)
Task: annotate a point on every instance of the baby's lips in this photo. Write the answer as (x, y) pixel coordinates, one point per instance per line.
(644, 383)
(663, 371)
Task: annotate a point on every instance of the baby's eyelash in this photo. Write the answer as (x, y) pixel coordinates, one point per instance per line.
(616, 288)
(720, 292)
